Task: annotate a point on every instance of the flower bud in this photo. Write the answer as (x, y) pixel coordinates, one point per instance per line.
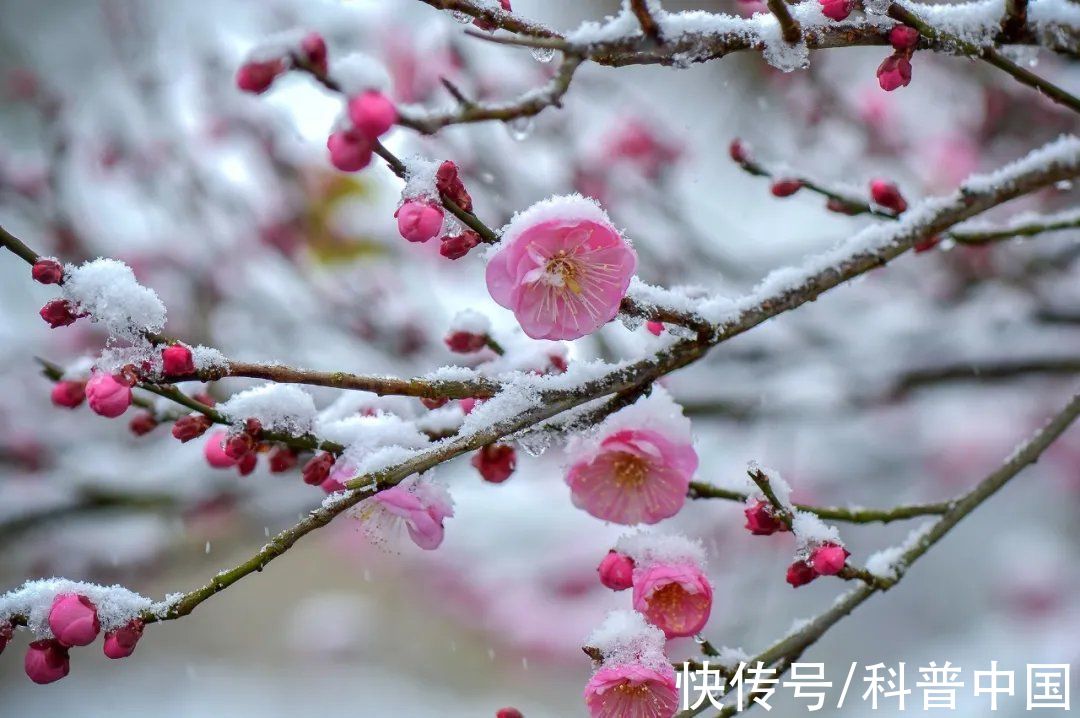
(58, 313)
(142, 423)
(349, 152)
(468, 404)
(176, 360)
(488, 27)
(46, 661)
(655, 328)
(313, 47)
(419, 221)
(508, 712)
(237, 446)
(925, 245)
(433, 403)
(738, 151)
(47, 271)
(69, 394)
(495, 462)
(837, 9)
(73, 620)
(190, 427)
(785, 187)
(109, 396)
(121, 642)
(760, 520)
(247, 464)
(459, 245)
(616, 571)
(893, 72)
(372, 114)
(214, 449)
(6, 632)
(465, 342)
(282, 458)
(258, 76)
(903, 38)
(317, 468)
(829, 559)
(448, 182)
(800, 573)
(888, 195)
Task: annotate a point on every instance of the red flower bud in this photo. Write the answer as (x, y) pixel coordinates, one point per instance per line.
(888, 196)
(121, 642)
(903, 38)
(785, 187)
(142, 423)
(58, 313)
(829, 559)
(495, 462)
(282, 458)
(738, 151)
(837, 9)
(313, 46)
(459, 245)
(190, 427)
(800, 573)
(616, 571)
(317, 468)
(68, 394)
(258, 76)
(247, 464)
(237, 446)
(176, 360)
(508, 712)
(760, 520)
(449, 183)
(893, 72)
(47, 271)
(433, 403)
(465, 342)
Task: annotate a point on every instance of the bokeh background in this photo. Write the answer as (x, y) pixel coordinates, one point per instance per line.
(122, 134)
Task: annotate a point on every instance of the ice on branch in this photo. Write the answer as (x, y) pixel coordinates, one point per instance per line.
(107, 290)
(625, 637)
(278, 407)
(116, 605)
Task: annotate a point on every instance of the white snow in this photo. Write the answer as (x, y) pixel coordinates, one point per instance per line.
(208, 358)
(571, 207)
(625, 637)
(647, 547)
(107, 290)
(810, 530)
(886, 562)
(358, 72)
(278, 407)
(470, 321)
(116, 605)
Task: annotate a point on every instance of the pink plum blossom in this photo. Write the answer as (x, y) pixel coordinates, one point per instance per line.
(372, 114)
(109, 396)
(46, 661)
(829, 559)
(632, 690)
(616, 571)
(73, 620)
(674, 597)
(420, 506)
(563, 278)
(636, 476)
(120, 643)
(349, 151)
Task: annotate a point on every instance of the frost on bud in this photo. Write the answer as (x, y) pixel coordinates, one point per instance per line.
(465, 342)
(58, 313)
(349, 152)
(190, 427)
(109, 395)
(800, 573)
(46, 661)
(785, 187)
(68, 394)
(459, 245)
(508, 712)
(121, 642)
(47, 271)
(372, 114)
(214, 449)
(760, 520)
(448, 182)
(488, 27)
(282, 458)
(887, 194)
(313, 47)
(142, 423)
(495, 462)
(903, 38)
(176, 360)
(829, 559)
(837, 9)
(258, 76)
(616, 571)
(738, 151)
(317, 468)
(893, 72)
(73, 620)
(433, 403)
(419, 221)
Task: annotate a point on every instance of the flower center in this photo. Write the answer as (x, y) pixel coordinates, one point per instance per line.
(563, 271)
(630, 470)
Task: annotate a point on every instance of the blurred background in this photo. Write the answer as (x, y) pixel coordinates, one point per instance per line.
(122, 134)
